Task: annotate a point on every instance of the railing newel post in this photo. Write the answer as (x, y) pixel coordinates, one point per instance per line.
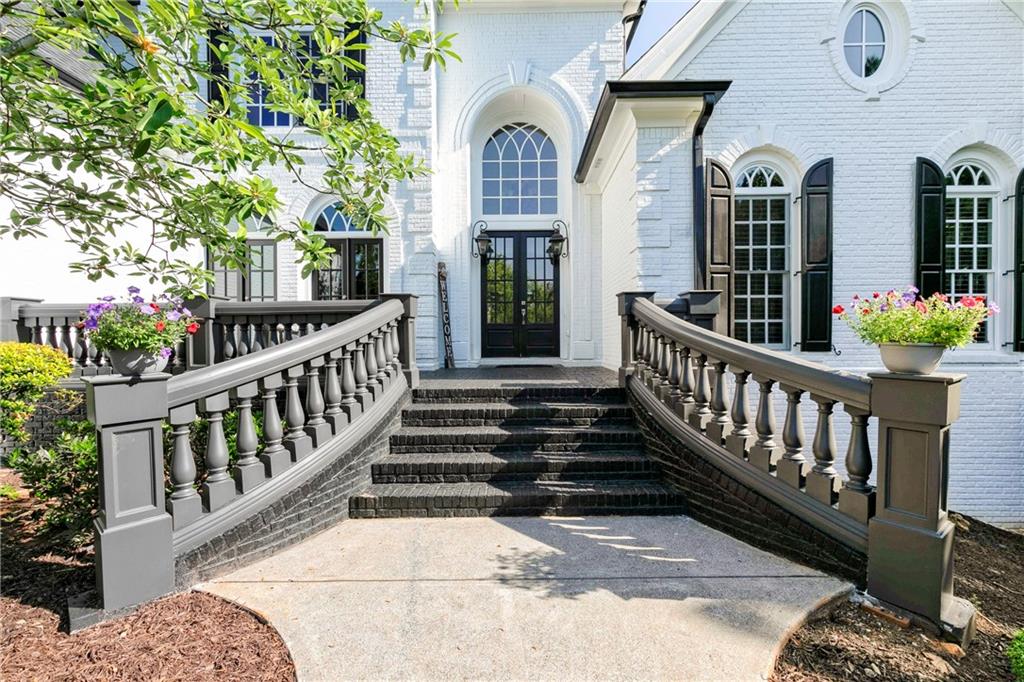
(739, 440)
(631, 336)
(823, 480)
(765, 452)
(792, 468)
(405, 337)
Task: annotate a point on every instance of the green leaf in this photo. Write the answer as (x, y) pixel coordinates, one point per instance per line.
(141, 147)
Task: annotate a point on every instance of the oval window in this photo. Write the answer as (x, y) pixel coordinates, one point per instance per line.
(864, 43)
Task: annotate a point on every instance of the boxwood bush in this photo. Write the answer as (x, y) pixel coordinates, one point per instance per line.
(26, 371)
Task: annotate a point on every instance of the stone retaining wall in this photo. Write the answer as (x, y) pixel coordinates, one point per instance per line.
(58, 403)
(719, 501)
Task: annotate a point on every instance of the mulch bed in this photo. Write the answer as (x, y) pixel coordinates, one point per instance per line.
(845, 642)
(189, 636)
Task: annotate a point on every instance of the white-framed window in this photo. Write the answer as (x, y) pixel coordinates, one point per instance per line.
(761, 257)
(519, 172)
(864, 43)
(970, 235)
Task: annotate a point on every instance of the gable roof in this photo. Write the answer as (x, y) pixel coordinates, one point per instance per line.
(685, 39)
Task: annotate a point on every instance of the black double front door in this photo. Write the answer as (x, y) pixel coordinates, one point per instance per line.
(519, 297)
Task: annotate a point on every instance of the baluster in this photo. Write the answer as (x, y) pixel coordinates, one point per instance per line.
(310, 329)
(229, 341)
(334, 415)
(275, 457)
(638, 355)
(80, 351)
(91, 353)
(280, 333)
(64, 343)
(389, 358)
(183, 504)
(38, 333)
(684, 408)
(739, 440)
(316, 426)
(243, 339)
(653, 360)
(362, 394)
(396, 347)
(178, 357)
(674, 393)
(823, 479)
(382, 363)
(857, 497)
(249, 471)
(765, 453)
(792, 468)
(297, 442)
(257, 340)
(219, 488)
(720, 425)
(349, 404)
(372, 382)
(663, 387)
(645, 370)
(45, 336)
(701, 415)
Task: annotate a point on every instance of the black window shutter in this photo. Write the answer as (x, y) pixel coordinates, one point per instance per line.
(929, 225)
(816, 258)
(719, 225)
(1018, 268)
(356, 75)
(218, 69)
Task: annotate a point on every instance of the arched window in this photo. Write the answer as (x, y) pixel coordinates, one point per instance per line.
(520, 172)
(355, 270)
(969, 239)
(761, 257)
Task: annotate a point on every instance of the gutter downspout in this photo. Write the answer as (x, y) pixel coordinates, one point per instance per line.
(700, 266)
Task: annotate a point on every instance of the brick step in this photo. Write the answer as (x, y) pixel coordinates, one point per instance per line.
(491, 438)
(494, 394)
(548, 413)
(483, 466)
(566, 498)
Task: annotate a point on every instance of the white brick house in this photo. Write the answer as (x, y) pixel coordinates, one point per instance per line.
(948, 87)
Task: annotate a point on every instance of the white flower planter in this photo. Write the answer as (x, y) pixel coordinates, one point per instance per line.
(135, 362)
(911, 358)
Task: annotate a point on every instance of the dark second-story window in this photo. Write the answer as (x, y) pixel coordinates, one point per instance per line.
(355, 270)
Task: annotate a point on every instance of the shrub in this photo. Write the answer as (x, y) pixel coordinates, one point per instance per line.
(1015, 652)
(895, 317)
(66, 477)
(26, 371)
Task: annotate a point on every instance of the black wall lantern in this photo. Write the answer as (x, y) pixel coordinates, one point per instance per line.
(481, 241)
(558, 242)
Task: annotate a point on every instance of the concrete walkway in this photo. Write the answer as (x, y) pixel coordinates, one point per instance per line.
(596, 598)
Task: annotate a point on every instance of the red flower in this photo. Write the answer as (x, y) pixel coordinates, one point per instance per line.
(921, 306)
(875, 294)
(192, 328)
(969, 301)
(979, 298)
(838, 310)
(942, 297)
(154, 306)
(160, 326)
(865, 311)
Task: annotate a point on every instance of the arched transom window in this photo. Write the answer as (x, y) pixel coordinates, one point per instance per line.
(520, 172)
(355, 268)
(970, 210)
(761, 257)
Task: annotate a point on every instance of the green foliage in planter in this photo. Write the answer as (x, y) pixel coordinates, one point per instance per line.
(65, 476)
(1015, 652)
(26, 371)
(904, 317)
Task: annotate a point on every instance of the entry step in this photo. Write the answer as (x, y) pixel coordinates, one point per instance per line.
(550, 413)
(488, 438)
(486, 466)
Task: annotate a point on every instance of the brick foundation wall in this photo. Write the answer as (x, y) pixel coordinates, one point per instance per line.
(316, 505)
(719, 501)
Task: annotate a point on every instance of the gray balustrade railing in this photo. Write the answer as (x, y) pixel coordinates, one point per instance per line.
(328, 382)
(229, 329)
(697, 384)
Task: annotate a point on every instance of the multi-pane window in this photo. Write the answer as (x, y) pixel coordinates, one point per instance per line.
(520, 172)
(969, 264)
(761, 257)
(259, 109)
(355, 268)
(257, 283)
(864, 43)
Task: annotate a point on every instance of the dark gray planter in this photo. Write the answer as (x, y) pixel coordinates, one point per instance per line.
(135, 362)
(911, 358)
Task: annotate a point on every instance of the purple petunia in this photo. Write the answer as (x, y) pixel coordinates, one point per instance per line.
(186, 312)
(138, 299)
(165, 352)
(134, 290)
(174, 316)
(108, 299)
(90, 323)
(146, 309)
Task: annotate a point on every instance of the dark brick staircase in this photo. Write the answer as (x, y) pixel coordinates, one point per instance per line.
(516, 451)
